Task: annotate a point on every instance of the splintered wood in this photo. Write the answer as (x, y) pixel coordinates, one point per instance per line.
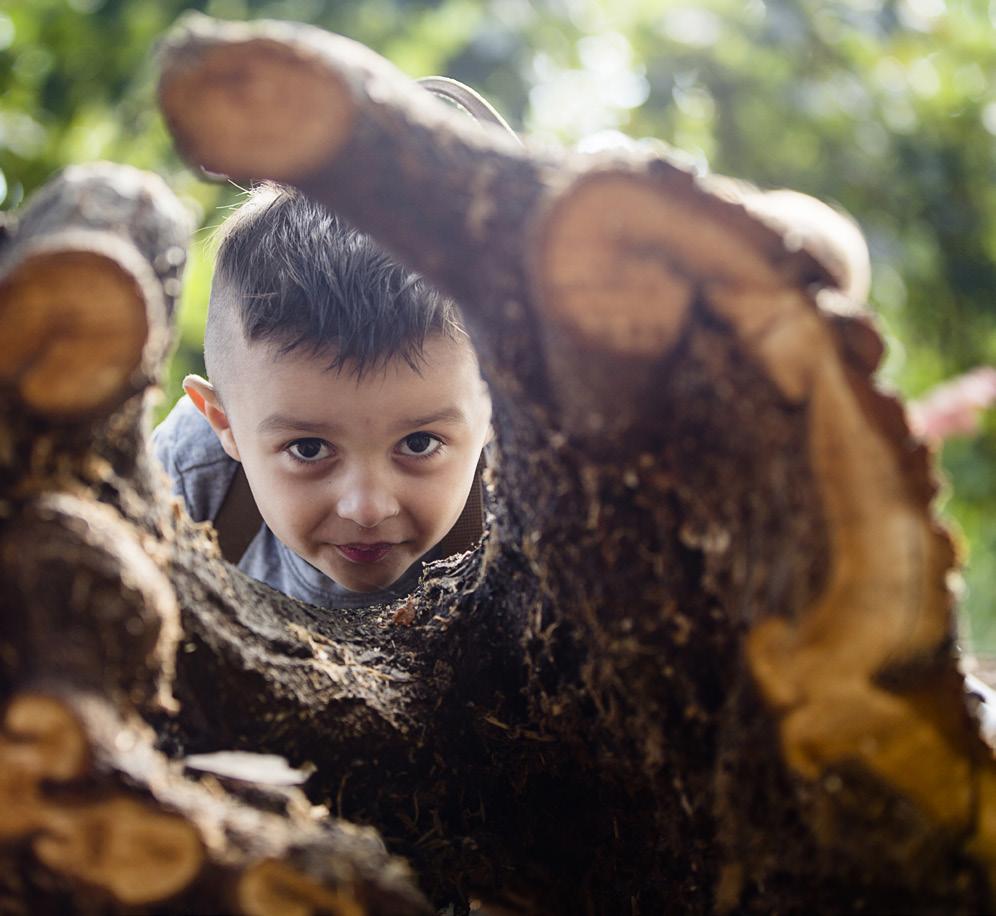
(886, 605)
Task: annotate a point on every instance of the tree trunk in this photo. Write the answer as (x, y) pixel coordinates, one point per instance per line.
(702, 660)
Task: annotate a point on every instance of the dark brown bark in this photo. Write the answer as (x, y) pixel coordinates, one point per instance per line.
(703, 658)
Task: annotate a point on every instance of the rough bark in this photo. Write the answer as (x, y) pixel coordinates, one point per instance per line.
(703, 658)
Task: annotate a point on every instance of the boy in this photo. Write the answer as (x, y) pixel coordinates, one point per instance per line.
(349, 394)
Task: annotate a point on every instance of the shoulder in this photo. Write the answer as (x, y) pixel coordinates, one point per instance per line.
(199, 469)
(185, 439)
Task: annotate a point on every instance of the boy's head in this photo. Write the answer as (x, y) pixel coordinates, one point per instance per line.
(346, 387)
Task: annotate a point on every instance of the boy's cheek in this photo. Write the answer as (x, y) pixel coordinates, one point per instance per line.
(283, 502)
(438, 506)
(295, 509)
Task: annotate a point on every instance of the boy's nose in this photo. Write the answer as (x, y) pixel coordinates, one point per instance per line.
(367, 501)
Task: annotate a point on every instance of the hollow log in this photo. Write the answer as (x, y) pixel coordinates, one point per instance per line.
(702, 660)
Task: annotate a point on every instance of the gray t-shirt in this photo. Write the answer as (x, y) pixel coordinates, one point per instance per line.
(202, 472)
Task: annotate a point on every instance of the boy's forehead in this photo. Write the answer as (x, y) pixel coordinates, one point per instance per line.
(438, 355)
(446, 377)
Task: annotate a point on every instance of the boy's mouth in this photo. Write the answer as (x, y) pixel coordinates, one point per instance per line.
(364, 553)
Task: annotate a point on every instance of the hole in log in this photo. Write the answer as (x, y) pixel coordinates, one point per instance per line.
(73, 328)
(234, 106)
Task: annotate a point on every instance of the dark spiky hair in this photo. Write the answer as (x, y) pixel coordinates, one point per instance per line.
(299, 277)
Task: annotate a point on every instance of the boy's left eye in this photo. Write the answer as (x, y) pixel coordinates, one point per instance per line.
(419, 445)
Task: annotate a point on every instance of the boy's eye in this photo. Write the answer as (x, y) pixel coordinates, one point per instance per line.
(309, 449)
(419, 445)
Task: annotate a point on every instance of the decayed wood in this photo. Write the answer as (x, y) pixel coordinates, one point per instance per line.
(622, 271)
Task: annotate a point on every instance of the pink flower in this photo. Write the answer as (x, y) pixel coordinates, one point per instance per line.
(954, 407)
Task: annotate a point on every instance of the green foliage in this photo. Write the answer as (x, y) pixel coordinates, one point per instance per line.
(888, 109)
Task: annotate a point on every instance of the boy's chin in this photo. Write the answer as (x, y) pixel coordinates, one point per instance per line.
(365, 577)
(366, 585)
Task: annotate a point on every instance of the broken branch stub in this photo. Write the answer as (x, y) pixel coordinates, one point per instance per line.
(256, 87)
(88, 280)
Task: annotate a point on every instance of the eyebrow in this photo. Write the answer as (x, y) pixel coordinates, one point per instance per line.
(283, 423)
(446, 415)
(278, 422)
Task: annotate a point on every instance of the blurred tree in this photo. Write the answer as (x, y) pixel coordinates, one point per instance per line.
(888, 109)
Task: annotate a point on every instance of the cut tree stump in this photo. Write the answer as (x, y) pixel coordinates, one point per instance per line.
(703, 659)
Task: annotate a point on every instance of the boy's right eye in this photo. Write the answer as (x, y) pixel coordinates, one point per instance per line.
(309, 450)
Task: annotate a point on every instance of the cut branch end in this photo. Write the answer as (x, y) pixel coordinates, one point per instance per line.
(249, 106)
(74, 323)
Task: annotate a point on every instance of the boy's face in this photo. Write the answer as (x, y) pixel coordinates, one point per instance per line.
(358, 477)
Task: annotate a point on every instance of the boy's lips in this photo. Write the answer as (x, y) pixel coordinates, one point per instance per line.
(365, 553)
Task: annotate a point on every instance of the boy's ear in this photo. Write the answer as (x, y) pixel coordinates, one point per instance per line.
(205, 398)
